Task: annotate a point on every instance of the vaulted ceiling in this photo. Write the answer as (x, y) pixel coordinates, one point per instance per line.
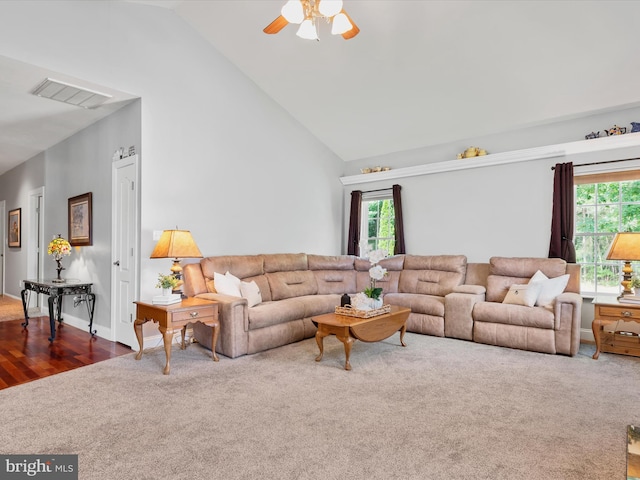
(420, 73)
(424, 72)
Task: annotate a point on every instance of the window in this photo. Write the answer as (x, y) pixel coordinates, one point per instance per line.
(605, 204)
(377, 228)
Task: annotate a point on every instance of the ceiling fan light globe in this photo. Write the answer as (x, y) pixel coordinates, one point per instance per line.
(340, 24)
(329, 8)
(293, 12)
(307, 30)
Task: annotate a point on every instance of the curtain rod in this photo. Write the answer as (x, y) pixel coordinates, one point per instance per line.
(378, 190)
(603, 162)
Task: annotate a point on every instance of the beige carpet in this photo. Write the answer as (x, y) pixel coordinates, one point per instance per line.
(437, 409)
(10, 308)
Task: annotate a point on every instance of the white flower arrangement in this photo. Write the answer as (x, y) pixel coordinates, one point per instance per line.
(376, 272)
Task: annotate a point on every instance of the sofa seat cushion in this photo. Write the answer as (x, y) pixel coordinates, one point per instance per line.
(273, 313)
(418, 303)
(491, 312)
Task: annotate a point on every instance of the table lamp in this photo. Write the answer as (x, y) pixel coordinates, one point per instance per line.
(176, 244)
(625, 247)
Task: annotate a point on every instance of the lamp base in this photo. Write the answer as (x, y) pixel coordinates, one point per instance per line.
(627, 275)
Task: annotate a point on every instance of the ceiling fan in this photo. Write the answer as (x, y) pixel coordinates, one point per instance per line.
(307, 13)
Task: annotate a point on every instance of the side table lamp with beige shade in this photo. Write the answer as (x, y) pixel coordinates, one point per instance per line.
(176, 244)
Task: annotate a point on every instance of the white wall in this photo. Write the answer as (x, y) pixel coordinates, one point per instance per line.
(219, 157)
(500, 210)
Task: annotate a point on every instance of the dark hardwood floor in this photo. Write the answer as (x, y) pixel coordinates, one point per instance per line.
(27, 354)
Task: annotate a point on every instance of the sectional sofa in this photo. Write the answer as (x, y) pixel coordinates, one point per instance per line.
(447, 296)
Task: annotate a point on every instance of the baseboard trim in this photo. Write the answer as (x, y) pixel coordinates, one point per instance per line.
(586, 335)
(82, 324)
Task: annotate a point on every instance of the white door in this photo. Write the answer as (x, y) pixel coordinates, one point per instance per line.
(124, 249)
(33, 239)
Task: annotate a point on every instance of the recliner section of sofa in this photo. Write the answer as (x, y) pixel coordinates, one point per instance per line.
(477, 312)
(447, 297)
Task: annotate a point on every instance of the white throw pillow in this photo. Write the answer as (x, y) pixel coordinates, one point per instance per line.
(551, 287)
(227, 284)
(523, 294)
(251, 292)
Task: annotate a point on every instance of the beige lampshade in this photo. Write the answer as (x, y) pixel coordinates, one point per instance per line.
(625, 246)
(176, 244)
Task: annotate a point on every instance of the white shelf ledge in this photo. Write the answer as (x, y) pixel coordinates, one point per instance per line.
(526, 155)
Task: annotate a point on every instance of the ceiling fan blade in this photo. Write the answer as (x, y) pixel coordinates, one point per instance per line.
(350, 33)
(277, 25)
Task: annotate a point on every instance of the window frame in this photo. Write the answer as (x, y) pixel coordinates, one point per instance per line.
(367, 198)
(603, 173)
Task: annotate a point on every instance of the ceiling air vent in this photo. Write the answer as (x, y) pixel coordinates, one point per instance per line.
(71, 94)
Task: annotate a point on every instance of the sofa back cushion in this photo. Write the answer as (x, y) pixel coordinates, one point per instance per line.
(242, 266)
(334, 274)
(289, 284)
(432, 274)
(284, 262)
(335, 281)
(506, 271)
(245, 267)
(389, 283)
(331, 262)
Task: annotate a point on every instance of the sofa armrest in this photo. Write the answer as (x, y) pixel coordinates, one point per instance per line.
(567, 310)
(234, 324)
(458, 312)
(472, 289)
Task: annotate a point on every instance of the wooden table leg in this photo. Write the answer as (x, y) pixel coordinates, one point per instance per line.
(320, 334)
(137, 327)
(596, 327)
(167, 335)
(403, 330)
(182, 333)
(215, 330)
(347, 340)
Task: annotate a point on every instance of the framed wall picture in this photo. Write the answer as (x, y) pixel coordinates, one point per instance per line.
(80, 220)
(15, 227)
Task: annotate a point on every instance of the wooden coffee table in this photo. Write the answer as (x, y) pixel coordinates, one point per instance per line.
(348, 329)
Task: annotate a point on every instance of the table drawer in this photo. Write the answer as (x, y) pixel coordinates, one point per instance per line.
(196, 314)
(150, 313)
(618, 312)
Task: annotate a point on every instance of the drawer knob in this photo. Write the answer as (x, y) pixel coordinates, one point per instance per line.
(193, 314)
(626, 314)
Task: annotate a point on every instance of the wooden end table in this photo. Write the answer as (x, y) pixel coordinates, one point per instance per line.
(178, 315)
(616, 326)
(348, 329)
